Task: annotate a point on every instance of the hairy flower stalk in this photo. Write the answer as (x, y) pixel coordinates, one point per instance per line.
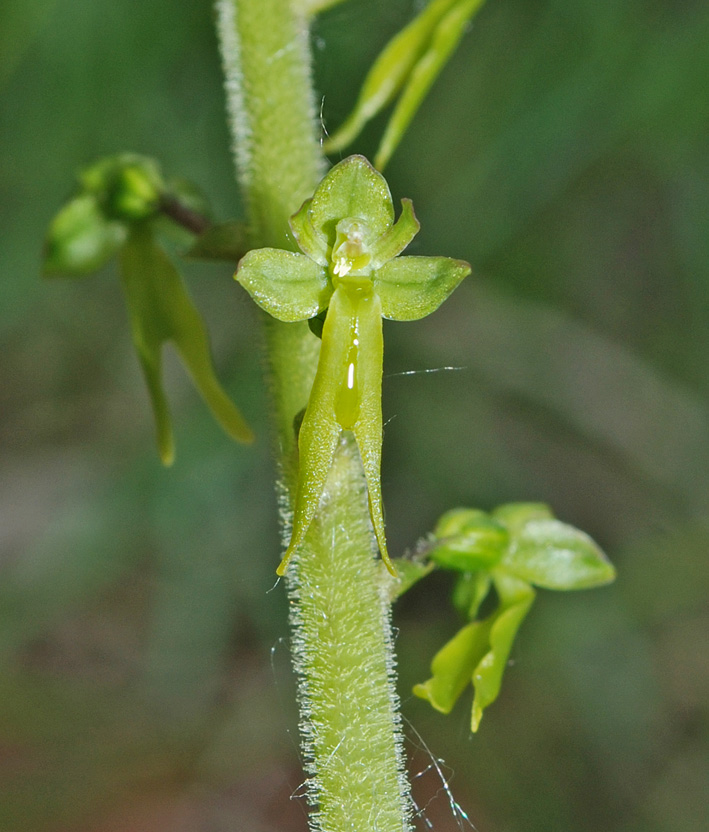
(339, 613)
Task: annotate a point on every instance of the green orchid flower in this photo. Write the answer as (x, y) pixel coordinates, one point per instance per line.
(515, 548)
(117, 211)
(349, 266)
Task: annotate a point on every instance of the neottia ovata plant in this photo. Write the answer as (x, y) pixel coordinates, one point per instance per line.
(321, 253)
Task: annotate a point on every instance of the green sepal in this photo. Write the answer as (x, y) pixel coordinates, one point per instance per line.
(554, 555)
(516, 598)
(397, 237)
(224, 241)
(288, 285)
(412, 287)
(81, 239)
(408, 573)
(470, 590)
(468, 540)
(548, 553)
(161, 310)
(352, 188)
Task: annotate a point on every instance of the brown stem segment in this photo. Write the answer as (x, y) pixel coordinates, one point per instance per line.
(182, 215)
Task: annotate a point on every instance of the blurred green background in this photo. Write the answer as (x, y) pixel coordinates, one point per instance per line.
(144, 679)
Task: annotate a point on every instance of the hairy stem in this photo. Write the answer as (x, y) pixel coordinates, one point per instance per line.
(343, 655)
(339, 613)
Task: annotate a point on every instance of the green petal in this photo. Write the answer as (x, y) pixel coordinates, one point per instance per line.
(516, 598)
(353, 188)
(554, 555)
(289, 286)
(364, 415)
(398, 237)
(468, 540)
(80, 239)
(412, 287)
(452, 667)
(161, 310)
(310, 241)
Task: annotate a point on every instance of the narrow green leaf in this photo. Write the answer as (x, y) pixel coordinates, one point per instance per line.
(80, 239)
(446, 37)
(468, 540)
(161, 310)
(225, 241)
(289, 286)
(413, 287)
(554, 555)
(452, 667)
(353, 188)
(516, 598)
(389, 73)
